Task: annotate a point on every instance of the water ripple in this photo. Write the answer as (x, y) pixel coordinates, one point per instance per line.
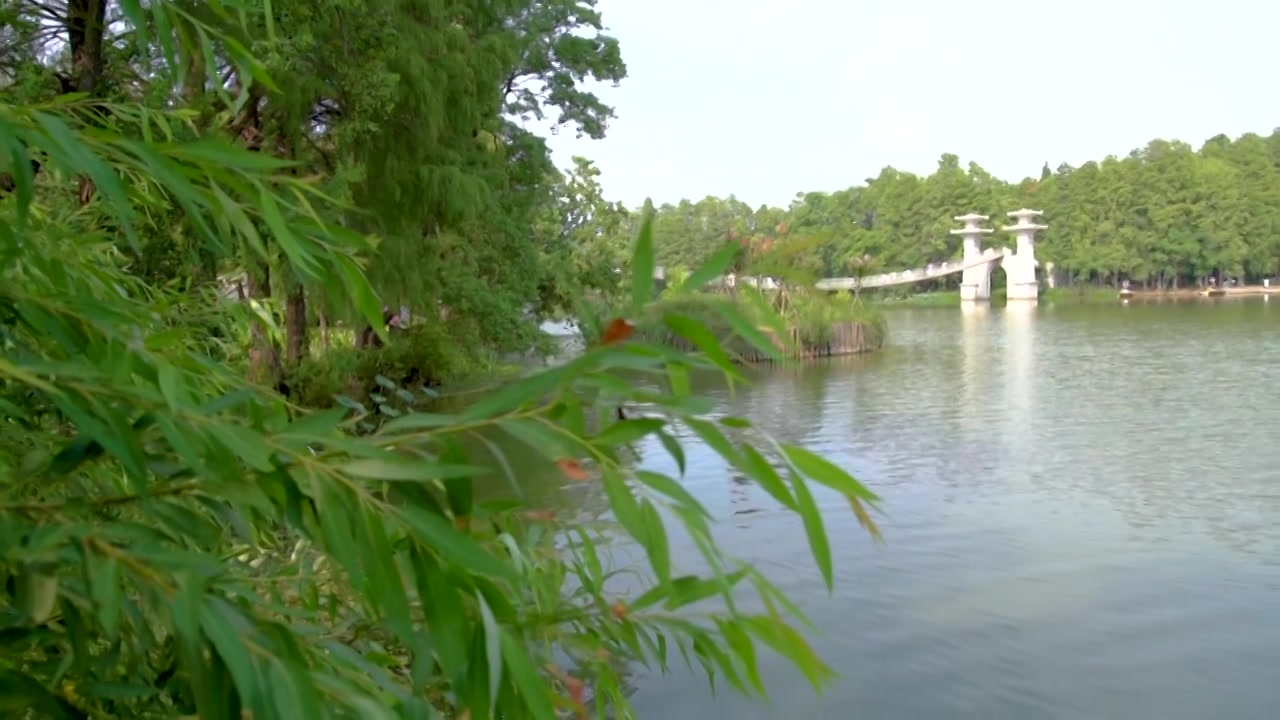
(1082, 513)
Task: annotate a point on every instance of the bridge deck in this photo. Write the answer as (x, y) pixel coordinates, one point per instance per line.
(903, 277)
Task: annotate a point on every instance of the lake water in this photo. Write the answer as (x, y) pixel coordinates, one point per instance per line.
(1081, 514)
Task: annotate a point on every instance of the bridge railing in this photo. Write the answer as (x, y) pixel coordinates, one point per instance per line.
(902, 277)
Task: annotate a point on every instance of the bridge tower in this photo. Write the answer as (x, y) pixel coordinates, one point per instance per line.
(1020, 267)
(975, 282)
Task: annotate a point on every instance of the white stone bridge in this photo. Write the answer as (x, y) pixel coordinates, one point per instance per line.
(931, 271)
(976, 263)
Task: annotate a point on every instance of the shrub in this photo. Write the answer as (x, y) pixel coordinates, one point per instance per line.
(815, 313)
(421, 356)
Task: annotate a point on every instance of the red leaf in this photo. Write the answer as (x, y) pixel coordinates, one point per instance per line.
(572, 469)
(619, 610)
(617, 331)
(575, 687)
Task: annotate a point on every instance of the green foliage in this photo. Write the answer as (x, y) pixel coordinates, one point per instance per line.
(814, 314)
(176, 540)
(706, 309)
(1079, 294)
(405, 113)
(423, 355)
(493, 242)
(1073, 295)
(584, 240)
(1165, 215)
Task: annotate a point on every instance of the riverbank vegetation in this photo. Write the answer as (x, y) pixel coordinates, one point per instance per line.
(768, 290)
(1072, 295)
(799, 321)
(190, 194)
(1164, 216)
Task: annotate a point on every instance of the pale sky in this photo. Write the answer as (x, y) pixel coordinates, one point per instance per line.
(765, 98)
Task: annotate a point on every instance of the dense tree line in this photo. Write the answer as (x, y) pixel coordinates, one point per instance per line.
(1164, 215)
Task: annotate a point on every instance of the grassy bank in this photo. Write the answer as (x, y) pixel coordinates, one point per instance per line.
(426, 357)
(1080, 294)
(430, 358)
(811, 319)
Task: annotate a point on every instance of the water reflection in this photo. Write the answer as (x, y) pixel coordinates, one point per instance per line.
(523, 473)
(1082, 518)
(787, 401)
(1082, 515)
(975, 322)
(1018, 411)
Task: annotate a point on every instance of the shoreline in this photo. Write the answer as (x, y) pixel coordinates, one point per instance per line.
(1080, 294)
(1243, 291)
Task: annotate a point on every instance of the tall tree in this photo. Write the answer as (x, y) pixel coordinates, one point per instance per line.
(1165, 215)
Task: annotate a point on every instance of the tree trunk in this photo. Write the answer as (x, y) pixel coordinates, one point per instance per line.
(264, 357)
(86, 28)
(295, 325)
(86, 25)
(368, 337)
(295, 309)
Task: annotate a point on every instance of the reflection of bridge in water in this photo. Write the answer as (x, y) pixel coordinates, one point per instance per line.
(976, 264)
(1019, 407)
